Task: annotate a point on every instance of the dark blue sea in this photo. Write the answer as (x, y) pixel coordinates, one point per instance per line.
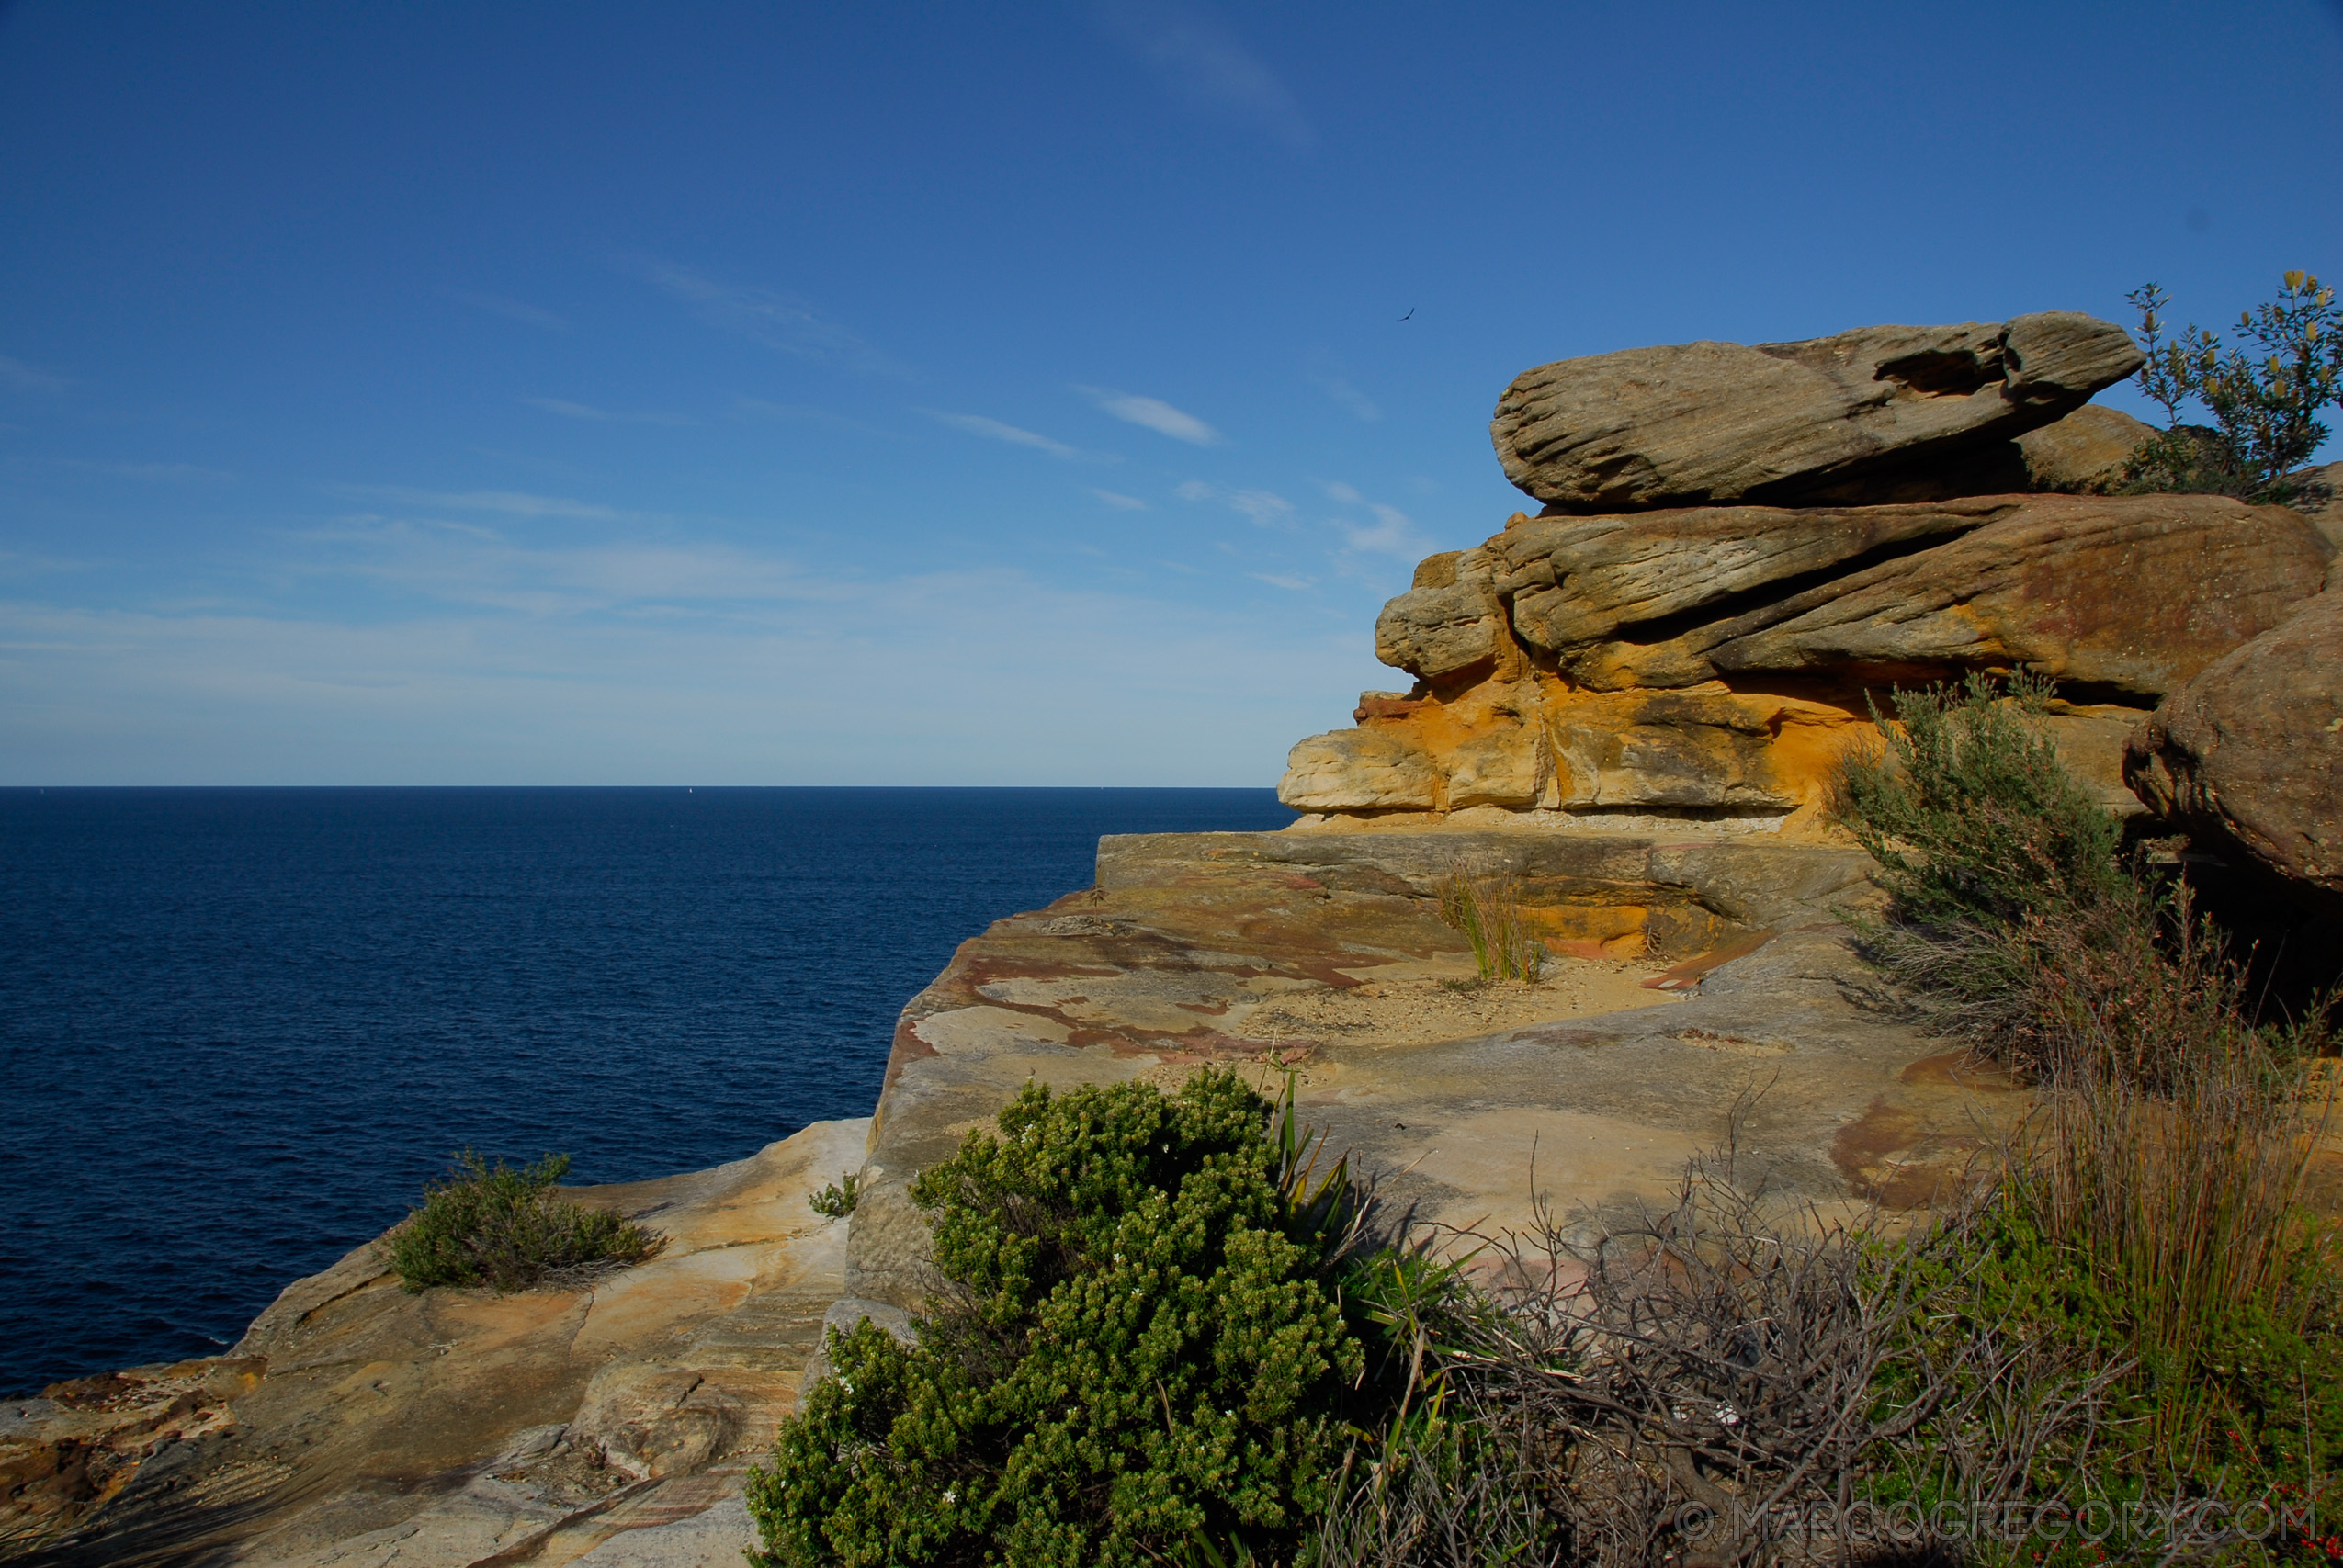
(241, 1027)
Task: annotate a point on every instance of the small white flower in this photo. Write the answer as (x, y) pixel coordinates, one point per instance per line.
(948, 1496)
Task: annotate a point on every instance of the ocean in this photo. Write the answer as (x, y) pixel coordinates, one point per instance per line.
(241, 1027)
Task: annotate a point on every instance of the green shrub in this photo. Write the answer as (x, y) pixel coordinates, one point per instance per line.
(2216, 1381)
(2266, 407)
(509, 1230)
(1999, 867)
(1134, 1349)
(837, 1200)
(1970, 814)
(2013, 919)
(2148, 1214)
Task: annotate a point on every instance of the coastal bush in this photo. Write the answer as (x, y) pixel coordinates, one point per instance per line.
(2002, 871)
(2265, 406)
(509, 1230)
(1707, 1382)
(836, 1200)
(1135, 1349)
(2153, 1201)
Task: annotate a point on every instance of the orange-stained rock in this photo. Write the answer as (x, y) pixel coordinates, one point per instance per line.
(1714, 662)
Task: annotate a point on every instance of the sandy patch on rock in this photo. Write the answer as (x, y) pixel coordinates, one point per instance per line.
(1422, 1010)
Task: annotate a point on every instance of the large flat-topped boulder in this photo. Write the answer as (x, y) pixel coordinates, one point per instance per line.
(2249, 754)
(1877, 414)
(1325, 954)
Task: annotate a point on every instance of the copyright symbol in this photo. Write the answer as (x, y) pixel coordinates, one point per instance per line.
(1695, 1522)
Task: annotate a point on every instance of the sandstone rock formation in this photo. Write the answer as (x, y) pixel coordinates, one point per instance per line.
(1715, 658)
(2250, 752)
(2083, 454)
(2322, 501)
(1877, 414)
(1324, 954)
(357, 1424)
(1906, 506)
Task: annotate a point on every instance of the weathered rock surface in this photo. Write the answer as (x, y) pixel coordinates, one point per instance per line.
(2322, 503)
(1360, 771)
(1324, 952)
(1878, 414)
(1714, 660)
(2083, 454)
(2250, 752)
(356, 1423)
(2127, 595)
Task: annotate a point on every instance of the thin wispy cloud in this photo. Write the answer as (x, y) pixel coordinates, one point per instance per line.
(624, 667)
(569, 410)
(151, 473)
(512, 309)
(1120, 501)
(1290, 585)
(1361, 406)
(994, 430)
(501, 503)
(624, 577)
(1153, 413)
(800, 414)
(1265, 507)
(15, 375)
(1393, 532)
(778, 320)
(1201, 61)
(1337, 491)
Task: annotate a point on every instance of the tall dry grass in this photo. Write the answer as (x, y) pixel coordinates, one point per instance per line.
(1487, 908)
(2167, 1158)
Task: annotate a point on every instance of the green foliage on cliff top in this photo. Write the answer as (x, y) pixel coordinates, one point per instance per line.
(509, 1230)
(1134, 1349)
(2266, 404)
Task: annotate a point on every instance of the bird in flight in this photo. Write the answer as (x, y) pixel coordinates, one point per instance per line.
(1410, 315)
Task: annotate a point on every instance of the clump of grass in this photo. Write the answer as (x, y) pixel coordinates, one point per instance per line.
(1488, 909)
(2185, 1207)
(836, 1200)
(509, 1230)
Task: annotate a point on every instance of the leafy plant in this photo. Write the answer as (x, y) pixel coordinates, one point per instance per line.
(1996, 862)
(1135, 1350)
(509, 1230)
(1488, 909)
(2266, 406)
(2152, 1204)
(836, 1200)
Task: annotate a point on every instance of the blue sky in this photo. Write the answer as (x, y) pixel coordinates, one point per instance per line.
(955, 393)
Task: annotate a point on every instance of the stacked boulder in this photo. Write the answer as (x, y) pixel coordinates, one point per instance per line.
(1741, 547)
